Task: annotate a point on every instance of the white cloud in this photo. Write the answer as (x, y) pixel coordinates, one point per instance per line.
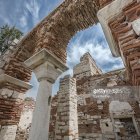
(23, 21)
(101, 54)
(33, 8)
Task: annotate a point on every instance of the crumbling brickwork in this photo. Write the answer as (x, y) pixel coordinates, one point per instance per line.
(104, 2)
(66, 121)
(95, 118)
(25, 119)
(54, 104)
(87, 67)
(125, 32)
(11, 103)
(54, 31)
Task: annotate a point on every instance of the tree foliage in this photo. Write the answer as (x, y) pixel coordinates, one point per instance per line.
(7, 36)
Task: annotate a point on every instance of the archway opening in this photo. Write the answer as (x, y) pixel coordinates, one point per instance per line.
(90, 40)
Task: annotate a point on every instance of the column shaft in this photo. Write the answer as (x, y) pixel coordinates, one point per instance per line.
(41, 115)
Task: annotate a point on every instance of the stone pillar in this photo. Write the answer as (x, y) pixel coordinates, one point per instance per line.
(46, 68)
(67, 119)
(11, 101)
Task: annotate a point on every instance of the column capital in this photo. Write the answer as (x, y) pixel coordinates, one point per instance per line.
(46, 66)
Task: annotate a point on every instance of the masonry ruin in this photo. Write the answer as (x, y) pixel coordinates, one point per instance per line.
(91, 105)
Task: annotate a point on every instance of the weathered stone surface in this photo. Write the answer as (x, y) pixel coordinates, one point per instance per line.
(8, 132)
(67, 119)
(86, 67)
(136, 26)
(94, 117)
(11, 99)
(25, 119)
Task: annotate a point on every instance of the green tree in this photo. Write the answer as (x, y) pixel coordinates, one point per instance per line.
(7, 36)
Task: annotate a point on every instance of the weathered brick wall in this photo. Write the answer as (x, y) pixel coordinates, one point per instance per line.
(86, 67)
(53, 115)
(94, 120)
(25, 119)
(125, 29)
(93, 111)
(103, 3)
(11, 103)
(12, 66)
(66, 121)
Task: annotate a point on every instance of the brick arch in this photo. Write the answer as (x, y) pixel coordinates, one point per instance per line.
(53, 33)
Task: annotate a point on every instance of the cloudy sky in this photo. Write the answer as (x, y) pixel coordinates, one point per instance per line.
(25, 14)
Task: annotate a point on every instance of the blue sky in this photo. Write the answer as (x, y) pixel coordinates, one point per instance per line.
(25, 14)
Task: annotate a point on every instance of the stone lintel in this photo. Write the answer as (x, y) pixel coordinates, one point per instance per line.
(4, 78)
(45, 56)
(105, 15)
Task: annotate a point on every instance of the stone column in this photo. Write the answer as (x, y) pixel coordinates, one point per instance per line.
(11, 101)
(46, 68)
(67, 119)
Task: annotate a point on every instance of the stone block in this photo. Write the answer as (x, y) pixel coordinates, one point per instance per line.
(8, 132)
(136, 26)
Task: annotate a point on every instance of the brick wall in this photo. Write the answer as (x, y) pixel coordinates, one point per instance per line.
(125, 31)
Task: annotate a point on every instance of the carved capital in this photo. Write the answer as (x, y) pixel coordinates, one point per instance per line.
(46, 66)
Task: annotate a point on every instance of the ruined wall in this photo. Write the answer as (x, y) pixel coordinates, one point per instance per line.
(86, 67)
(95, 94)
(9, 65)
(96, 119)
(12, 93)
(11, 103)
(94, 116)
(25, 119)
(66, 121)
(125, 30)
(53, 115)
(11, 96)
